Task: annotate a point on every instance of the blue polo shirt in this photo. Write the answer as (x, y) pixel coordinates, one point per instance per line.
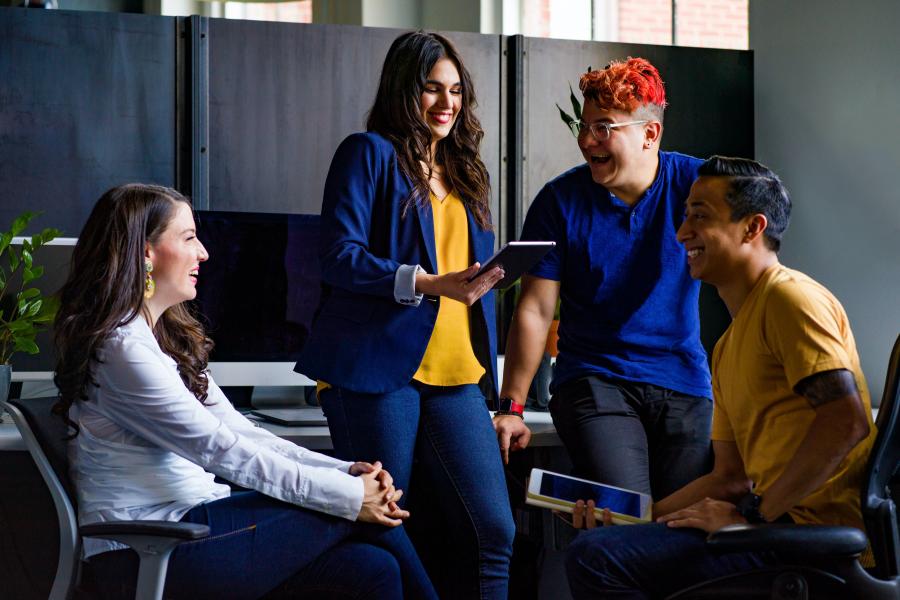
(629, 308)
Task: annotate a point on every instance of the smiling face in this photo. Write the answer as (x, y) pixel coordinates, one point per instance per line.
(441, 99)
(714, 243)
(626, 162)
(176, 256)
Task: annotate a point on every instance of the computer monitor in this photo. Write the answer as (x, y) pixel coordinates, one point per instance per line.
(37, 369)
(257, 294)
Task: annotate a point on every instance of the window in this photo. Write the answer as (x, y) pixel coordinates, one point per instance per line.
(701, 23)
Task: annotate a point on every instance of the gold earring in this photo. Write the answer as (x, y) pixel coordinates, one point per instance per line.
(149, 284)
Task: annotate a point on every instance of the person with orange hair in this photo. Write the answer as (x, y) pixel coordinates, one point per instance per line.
(631, 386)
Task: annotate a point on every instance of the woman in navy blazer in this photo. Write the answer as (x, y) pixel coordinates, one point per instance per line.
(403, 343)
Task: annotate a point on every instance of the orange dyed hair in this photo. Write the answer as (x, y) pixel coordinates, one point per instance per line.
(625, 86)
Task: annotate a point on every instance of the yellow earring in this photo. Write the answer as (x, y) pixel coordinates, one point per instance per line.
(149, 284)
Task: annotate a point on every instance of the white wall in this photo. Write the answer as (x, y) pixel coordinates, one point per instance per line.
(827, 82)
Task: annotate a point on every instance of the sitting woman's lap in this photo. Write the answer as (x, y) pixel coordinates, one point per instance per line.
(258, 545)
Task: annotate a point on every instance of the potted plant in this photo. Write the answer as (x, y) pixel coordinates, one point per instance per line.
(24, 311)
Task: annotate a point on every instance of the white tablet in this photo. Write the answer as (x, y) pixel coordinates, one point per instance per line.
(560, 492)
(515, 258)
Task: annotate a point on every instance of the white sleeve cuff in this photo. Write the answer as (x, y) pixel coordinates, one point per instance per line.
(405, 285)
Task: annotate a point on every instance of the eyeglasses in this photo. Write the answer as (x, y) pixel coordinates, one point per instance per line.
(600, 131)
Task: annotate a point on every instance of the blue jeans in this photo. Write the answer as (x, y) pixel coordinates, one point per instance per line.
(647, 561)
(634, 435)
(259, 547)
(448, 431)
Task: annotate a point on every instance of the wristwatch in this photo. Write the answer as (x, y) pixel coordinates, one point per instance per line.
(508, 406)
(748, 506)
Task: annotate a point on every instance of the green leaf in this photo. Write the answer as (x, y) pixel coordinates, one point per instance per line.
(5, 240)
(34, 307)
(568, 120)
(21, 223)
(2, 281)
(576, 105)
(13, 259)
(26, 345)
(19, 325)
(29, 293)
(35, 273)
(26, 254)
(48, 234)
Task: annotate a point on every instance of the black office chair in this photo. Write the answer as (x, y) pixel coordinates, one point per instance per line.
(44, 435)
(818, 561)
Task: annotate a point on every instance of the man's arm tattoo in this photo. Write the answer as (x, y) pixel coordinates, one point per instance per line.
(827, 386)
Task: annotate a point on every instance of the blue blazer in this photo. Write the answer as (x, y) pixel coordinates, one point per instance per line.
(362, 339)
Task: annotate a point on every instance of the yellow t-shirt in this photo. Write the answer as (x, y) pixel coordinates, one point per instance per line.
(789, 328)
(449, 358)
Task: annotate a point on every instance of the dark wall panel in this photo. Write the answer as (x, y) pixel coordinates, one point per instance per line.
(87, 101)
(283, 96)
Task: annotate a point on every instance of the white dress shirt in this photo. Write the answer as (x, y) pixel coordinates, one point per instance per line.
(149, 450)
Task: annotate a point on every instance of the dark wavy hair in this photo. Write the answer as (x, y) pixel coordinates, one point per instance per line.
(397, 116)
(104, 290)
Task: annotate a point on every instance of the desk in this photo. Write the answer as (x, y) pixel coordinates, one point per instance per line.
(314, 438)
(543, 433)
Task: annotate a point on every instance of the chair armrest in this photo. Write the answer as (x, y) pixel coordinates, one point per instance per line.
(167, 529)
(786, 539)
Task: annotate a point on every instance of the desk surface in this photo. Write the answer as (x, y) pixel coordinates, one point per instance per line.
(314, 438)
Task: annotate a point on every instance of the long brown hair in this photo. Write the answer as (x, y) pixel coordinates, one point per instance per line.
(397, 115)
(104, 290)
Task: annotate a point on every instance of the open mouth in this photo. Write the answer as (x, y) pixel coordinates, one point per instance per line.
(194, 274)
(600, 159)
(442, 118)
(693, 253)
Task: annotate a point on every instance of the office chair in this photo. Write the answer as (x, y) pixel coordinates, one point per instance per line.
(820, 561)
(44, 435)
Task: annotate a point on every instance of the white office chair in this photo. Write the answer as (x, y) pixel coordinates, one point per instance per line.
(45, 436)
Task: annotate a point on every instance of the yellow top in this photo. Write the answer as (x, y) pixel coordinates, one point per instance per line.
(449, 358)
(788, 328)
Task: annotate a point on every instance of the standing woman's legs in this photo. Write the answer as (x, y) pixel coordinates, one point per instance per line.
(370, 427)
(458, 449)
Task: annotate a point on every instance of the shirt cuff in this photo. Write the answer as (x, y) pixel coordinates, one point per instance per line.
(334, 492)
(405, 285)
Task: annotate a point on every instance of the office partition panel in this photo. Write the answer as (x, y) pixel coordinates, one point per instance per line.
(87, 101)
(283, 96)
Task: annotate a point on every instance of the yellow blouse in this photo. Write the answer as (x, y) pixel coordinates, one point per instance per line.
(449, 358)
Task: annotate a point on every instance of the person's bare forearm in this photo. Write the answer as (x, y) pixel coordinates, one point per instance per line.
(837, 428)
(712, 485)
(524, 349)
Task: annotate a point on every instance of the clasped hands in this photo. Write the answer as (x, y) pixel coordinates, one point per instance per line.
(380, 496)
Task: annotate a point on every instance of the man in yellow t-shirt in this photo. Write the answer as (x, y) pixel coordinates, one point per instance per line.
(792, 424)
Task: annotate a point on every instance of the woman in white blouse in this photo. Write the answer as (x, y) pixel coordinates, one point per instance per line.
(153, 430)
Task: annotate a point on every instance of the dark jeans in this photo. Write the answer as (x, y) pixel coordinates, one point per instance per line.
(647, 561)
(633, 435)
(448, 431)
(259, 547)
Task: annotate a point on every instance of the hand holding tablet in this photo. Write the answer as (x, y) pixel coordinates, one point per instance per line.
(561, 492)
(515, 258)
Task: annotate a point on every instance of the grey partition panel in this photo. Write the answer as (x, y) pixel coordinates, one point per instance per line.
(710, 95)
(86, 102)
(283, 96)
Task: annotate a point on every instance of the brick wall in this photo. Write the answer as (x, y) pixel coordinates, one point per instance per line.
(702, 23)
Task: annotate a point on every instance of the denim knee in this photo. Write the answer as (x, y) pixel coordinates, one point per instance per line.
(496, 536)
(589, 567)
